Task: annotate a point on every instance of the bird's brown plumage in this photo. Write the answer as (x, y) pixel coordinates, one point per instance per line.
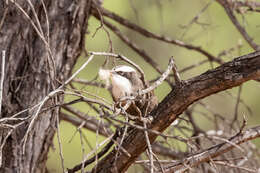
(143, 104)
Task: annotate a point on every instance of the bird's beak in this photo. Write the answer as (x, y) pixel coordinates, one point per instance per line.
(112, 73)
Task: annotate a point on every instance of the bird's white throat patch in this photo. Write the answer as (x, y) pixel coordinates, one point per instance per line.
(121, 86)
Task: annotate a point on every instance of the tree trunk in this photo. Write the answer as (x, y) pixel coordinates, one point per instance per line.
(32, 71)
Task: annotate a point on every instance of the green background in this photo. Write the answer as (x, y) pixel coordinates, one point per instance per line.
(215, 33)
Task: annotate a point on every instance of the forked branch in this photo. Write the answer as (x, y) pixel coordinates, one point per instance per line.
(214, 151)
(224, 77)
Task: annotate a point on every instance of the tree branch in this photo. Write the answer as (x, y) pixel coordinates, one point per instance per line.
(226, 76)
(236, 23)
(149, 34)
(214, 151)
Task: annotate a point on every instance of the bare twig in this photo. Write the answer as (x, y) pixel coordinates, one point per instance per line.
(39, 32)
(154, 85)
(237, 105)
(40, 105)
(82, 147)
(2, 80)
(132, 45)
(165, 151)
(149, 34)
(59, 142)
(135, 126)
(235, 166)
(3, 17)
(124, 58)
(87, 82)
(196, 18)
(175, 73)
(101, 153)
(77, 72)
(88, 124)
(239, 27)
(228, 75)
(97, 6)
(91, 100)
(216, 150)
(193, 66)
(51, 94)
(149, 148)
(86, 162)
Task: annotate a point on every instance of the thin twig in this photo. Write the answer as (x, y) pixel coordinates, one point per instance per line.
(237, 105)
(41, 104)
(51, 94)
(195, 18)
(3, 17)
(59, 142)
(87, 82)
(91, 160)
(12, 128)
(47, 21)
(239, 27)
(149, 34)
(193, 66)
(77, 72)
(154, 85)
(91, 100)
(89, 125)
(82, 148)
(149, 148)
(123, 137)
(215, 151)
(96, 154)
(175, 73)
(86, 162)
(2, 81)
(132, 45)
(124, 58)
(149, 130)
(158, 161)
(97, 6)
(39, 32)
(235, 166)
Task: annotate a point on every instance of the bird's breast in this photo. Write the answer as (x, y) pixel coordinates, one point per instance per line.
(120, 87)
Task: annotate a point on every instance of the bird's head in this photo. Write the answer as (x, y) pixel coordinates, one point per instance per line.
(125, 80)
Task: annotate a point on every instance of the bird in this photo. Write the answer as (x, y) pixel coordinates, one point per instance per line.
(126, 81)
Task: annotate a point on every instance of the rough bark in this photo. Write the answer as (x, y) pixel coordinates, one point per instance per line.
(226, 76)
(31, 73)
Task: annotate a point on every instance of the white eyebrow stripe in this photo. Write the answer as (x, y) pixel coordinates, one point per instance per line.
(123, 68)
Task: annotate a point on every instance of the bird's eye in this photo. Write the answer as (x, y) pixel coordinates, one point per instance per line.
(120, 73)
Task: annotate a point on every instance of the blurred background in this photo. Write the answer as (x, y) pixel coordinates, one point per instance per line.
(213, 31)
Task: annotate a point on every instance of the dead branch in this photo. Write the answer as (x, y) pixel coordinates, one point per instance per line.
(226, 76)
(149, 34)
(214, 151)
(236, 23)
(103, 130)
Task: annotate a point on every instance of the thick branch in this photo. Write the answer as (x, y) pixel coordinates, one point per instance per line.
(226, 76)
